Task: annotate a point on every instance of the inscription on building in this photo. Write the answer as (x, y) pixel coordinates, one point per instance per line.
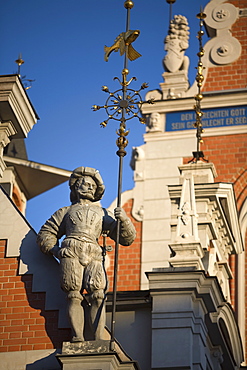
(218, 117)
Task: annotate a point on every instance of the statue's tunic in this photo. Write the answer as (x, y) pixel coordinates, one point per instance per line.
(80, 254)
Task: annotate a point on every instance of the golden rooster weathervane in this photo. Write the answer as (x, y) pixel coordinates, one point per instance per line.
(122, 105)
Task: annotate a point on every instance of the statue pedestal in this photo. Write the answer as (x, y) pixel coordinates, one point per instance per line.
(175, 84)
(95, 355)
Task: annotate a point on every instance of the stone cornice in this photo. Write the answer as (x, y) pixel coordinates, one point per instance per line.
(16, 106)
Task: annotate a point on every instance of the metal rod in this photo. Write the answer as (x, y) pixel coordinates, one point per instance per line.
(121, 154)
(114, 297)
(170, 14)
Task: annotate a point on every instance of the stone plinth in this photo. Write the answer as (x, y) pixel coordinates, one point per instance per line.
(175, 84)
(94, 355)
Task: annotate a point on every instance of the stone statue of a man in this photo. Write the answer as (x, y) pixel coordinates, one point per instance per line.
(80, 255)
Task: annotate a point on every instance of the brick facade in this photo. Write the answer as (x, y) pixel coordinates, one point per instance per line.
(24, 322)
(129, 270)
(231, 76)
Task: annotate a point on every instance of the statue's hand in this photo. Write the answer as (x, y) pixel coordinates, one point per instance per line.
(120, 214)
(55, 251)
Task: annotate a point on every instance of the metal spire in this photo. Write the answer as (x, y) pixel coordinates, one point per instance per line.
(198, 98)
(19, 62)
(122, 105)
(27, 83)
(170, 12)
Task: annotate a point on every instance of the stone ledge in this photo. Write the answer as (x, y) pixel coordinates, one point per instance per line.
(93, 355)
(86, 347)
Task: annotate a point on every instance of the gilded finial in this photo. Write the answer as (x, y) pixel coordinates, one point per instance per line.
(26, 82)
(19, 62)
(128, 4)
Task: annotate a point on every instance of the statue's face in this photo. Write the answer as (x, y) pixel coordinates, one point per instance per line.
(86, 187)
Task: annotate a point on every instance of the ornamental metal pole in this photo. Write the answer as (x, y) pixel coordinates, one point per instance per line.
(122, 105)
(121, 153)
(198, 155)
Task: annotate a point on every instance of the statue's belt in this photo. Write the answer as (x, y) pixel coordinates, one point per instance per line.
(82, 238)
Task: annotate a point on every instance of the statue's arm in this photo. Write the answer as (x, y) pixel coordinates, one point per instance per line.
(51, 232)
(127, 229)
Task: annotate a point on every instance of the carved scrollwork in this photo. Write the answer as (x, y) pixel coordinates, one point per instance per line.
(223, 47)
(225, 50)
(185, 217)
(220, 16)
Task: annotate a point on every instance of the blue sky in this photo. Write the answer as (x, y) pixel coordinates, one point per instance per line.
(62, 44)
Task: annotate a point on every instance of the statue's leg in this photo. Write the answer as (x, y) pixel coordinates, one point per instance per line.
(71, 282)
(98, 316)
(95, 284)
(76, 316)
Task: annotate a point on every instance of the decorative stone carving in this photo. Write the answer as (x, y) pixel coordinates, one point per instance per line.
(186, 245)
(154, 123)
(94, 353)
(7, 129)
(224, 48)
(81, 257)
(220, 15)
(176, 64)
(186, 209)
(154, 94)
(137, 165)
(136, 155)
(175, 44)
(204, 223)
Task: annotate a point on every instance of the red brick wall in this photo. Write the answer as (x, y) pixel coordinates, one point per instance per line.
(24, 323)
(129, 258)
(231, 76)
(228, 153)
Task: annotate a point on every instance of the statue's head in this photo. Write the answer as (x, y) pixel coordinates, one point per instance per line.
(86, 182)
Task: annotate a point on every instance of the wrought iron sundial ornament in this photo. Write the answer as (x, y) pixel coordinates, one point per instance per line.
(122, 105)
(198, 97)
